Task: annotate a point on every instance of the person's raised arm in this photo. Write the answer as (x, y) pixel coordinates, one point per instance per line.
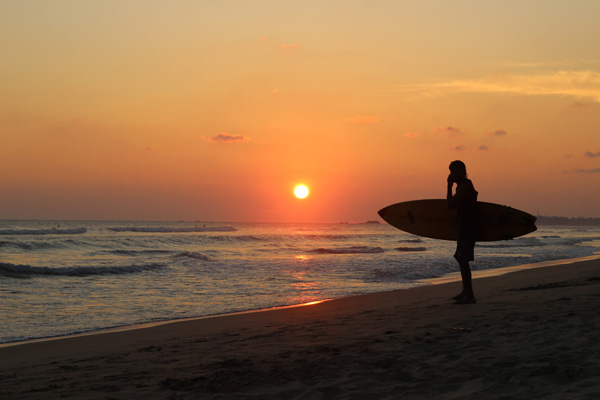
(449, 191)
(461, 192)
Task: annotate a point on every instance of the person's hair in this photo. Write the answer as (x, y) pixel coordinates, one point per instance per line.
(458, 166)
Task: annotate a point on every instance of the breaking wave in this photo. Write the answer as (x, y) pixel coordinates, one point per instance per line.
(408, 275)
(17, 270)
(194, 255)
(159, 229)
(30, 245)
(134, 253)
(532, 242)
(411, 248)
(325, 236)
(52, 231)
(350, 250)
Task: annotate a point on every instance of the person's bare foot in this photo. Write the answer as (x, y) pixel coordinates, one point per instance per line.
(466, 300)
(459, 296)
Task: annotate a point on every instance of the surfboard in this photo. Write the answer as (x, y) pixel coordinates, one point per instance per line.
(433, 219)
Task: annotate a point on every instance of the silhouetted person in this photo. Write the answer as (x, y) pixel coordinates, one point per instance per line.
(465, 203)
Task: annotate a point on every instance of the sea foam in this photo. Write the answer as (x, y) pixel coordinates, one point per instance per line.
(20, 270)
(159, 229)
(350, 250)
(52, 231)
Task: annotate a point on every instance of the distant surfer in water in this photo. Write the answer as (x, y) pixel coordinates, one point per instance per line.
(465, 203)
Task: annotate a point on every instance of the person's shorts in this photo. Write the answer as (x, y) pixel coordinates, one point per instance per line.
(465, 245)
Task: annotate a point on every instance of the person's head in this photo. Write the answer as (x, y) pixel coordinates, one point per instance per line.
(458, 170)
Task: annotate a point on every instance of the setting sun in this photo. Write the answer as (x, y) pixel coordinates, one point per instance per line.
(301, 191)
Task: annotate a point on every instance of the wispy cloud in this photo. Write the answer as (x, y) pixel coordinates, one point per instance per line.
(448, 130)
(579, 105)
(363, 120)
(228, 138)
(483, 147)
(499, 132)
(460, 147)
(584, 171)
(592, 155)
(289, 47)
(579, 84)
(411, 135)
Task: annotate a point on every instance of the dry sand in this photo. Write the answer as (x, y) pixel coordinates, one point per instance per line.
(533, 334)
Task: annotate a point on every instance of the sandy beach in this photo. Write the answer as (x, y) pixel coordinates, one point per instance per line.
(532, 334)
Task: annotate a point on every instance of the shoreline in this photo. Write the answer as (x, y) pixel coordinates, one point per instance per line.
(533, 334)
(447, 278)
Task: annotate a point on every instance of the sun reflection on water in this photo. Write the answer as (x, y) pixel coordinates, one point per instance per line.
(312, 303)
(303, 257)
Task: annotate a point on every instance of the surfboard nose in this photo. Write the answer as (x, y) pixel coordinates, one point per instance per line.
(383, 212)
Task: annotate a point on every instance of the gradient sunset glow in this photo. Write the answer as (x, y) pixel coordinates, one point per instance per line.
(213, 110)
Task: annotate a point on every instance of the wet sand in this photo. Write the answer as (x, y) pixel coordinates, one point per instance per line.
(533, 334)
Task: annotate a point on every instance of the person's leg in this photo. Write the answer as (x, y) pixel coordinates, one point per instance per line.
(465, 252)
(467, 286)
(467, 296)
(457, 257)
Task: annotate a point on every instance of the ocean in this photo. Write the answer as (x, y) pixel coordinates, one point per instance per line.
(65, 277)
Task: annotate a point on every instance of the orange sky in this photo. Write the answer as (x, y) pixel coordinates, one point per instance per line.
(214, 111)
